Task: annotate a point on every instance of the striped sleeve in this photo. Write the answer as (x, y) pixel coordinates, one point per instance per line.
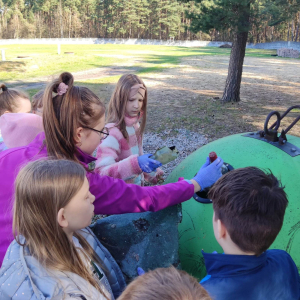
(108, 161)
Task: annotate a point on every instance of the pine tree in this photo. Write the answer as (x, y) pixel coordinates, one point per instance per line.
(238, 16)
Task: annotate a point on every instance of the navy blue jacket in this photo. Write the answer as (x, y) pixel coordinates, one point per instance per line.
(272, 275)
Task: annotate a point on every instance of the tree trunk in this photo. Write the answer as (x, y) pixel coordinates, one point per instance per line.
(235, 70)
(297, 30)
(61, 20)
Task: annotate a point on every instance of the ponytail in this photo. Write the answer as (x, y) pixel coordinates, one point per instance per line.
(3, 87)
(63, 113)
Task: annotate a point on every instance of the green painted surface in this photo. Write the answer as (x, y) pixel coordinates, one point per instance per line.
(195, 231)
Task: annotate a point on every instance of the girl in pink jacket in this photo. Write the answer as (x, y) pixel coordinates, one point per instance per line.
(120, 155)
(73, 119)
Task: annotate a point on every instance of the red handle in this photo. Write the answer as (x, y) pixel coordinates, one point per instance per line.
(212, 156)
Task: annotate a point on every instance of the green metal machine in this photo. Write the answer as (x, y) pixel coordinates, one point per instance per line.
(263, 149)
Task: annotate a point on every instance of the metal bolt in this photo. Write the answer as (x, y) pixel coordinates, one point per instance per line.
(293, 149)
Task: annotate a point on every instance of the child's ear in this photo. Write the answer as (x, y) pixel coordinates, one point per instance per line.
(222, 231)
(62, 221)
(78, 135)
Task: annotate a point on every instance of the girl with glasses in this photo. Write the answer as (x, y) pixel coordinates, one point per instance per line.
(69, 113)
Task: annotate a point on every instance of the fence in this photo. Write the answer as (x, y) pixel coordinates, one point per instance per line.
(87, 41)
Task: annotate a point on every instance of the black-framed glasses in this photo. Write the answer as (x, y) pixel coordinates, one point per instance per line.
(105, 132)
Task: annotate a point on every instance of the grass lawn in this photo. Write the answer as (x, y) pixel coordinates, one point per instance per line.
(43, 60)
(179, 79)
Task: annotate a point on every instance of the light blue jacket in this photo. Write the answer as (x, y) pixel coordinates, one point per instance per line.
(22, 277)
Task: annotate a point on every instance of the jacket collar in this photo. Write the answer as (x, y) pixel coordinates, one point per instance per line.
(231, 265)
(84, 158)
(130, 121)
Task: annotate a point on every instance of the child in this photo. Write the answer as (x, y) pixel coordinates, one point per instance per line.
(37, 103)
(249, 208)
(165, 284)
(121, 154)
(73, 119)
(52, 256)
(12, 101)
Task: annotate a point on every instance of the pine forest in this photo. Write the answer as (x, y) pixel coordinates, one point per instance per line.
(144, 19)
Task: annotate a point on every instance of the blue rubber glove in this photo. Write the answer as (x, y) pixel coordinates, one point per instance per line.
(209, 173)
(147, 164)
(140, 271)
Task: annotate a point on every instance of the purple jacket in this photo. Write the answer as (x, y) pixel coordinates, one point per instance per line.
(113, 196)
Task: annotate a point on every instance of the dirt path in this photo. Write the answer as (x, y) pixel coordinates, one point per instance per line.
(183, 96)
(187, 92)
(265, 80)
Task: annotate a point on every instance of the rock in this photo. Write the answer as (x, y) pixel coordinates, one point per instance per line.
(286, 52)
(185, 141)
(147, 240)
(226, 46)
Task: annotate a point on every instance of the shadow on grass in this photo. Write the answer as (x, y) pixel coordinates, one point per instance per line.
(12, 66)
(198, 113)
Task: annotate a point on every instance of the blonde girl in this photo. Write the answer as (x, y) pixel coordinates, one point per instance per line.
(121, 154)
(52, 207)
(165, 284)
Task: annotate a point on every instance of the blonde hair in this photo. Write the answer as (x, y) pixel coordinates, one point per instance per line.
(165, 284)
(117, 104)
(63, 114)
(43, 187)
(9, 99)
(37, 100)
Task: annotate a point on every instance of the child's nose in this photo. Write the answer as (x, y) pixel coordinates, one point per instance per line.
(92, 198)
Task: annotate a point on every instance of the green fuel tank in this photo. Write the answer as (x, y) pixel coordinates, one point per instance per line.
(240, 150)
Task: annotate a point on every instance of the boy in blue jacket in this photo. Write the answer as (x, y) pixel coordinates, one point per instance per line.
(249, 207)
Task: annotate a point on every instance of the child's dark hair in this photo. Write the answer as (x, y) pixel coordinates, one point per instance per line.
(251, 205)
(9, 97)
(37, 101)
(165, 284)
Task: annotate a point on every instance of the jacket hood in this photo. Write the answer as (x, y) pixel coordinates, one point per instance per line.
(20, 129)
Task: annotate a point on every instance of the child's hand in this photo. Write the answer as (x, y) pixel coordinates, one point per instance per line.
(160, 179)
(209, 173)
(159, 176)
(147, 164)
(140, 271)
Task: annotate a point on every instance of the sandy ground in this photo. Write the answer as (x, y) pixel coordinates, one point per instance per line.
(267, 80)
(267, 84)
(177, 93)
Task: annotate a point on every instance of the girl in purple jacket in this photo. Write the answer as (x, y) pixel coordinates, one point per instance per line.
(73, 120)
